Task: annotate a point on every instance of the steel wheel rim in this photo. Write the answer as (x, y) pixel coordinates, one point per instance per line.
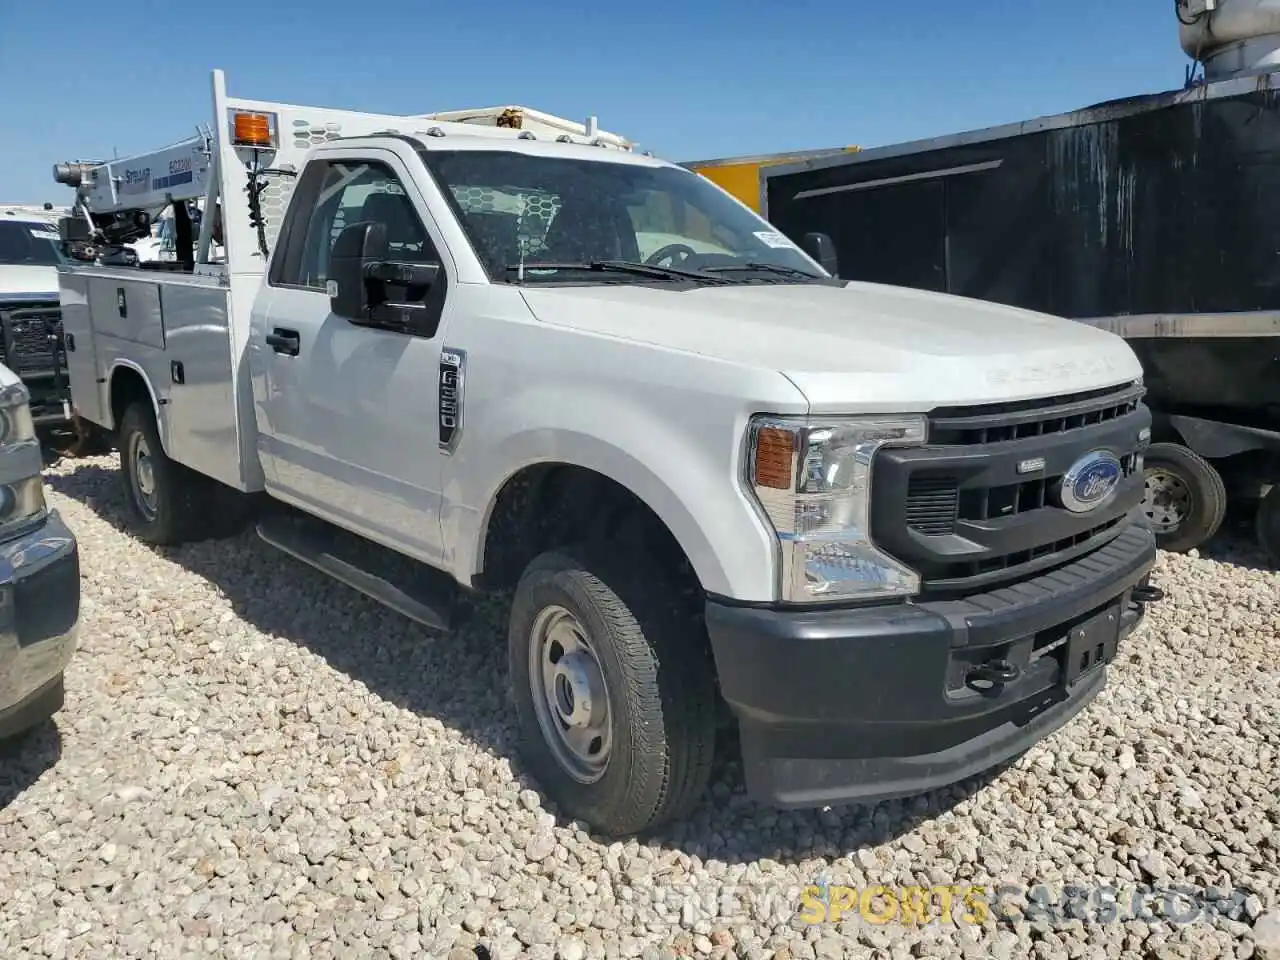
(143, 476)
(1166, 500)
(570, 697)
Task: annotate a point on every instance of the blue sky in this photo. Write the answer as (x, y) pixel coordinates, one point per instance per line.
(693, 81)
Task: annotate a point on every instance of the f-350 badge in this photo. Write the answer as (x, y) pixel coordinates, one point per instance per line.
(452, 368)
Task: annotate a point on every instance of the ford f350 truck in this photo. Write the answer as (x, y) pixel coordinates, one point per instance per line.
(894, 532)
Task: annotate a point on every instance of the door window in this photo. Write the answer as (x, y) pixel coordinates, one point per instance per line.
(353, 191)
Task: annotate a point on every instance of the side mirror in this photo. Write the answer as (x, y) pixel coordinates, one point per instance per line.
(820, 247)
(360, 273)
(358, 244)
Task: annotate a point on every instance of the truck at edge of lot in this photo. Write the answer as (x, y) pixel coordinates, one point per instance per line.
(39, 576)
(30, 327)
(893, 535)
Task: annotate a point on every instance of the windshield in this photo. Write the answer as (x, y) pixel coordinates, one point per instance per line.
(521, 210)
(29, 243)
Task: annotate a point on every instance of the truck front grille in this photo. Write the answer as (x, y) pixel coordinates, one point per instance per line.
(978, 506)
(1002, 422)
(32, 338)
(933, 505)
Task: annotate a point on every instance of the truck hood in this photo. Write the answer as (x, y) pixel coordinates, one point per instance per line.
(28, 281)
(869, 346)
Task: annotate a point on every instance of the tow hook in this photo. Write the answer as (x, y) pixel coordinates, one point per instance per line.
(994, 673)
(1141, 595)
(1146, 593)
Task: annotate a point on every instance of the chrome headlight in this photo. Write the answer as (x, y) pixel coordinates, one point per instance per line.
(812, 477)
(16, 425)
(20, 500)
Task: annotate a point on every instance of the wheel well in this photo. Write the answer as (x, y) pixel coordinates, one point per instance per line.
(547, 505)
(127, 386)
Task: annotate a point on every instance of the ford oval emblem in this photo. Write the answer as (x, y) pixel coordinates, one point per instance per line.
(1090, 482)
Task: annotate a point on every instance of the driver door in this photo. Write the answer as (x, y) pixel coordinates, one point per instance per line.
(345, 409)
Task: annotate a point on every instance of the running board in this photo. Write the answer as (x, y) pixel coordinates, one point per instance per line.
(406, 586)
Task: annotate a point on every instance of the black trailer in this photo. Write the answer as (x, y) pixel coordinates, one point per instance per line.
(1154, 217)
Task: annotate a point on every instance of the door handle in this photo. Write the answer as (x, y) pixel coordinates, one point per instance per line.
(284, 341)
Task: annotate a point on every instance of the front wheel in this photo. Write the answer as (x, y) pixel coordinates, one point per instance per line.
(1185, 500)
(614, 691)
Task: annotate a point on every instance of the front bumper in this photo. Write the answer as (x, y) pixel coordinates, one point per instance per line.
(872, 703)
(39, 622)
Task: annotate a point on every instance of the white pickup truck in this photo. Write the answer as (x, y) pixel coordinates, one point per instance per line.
(894, 532)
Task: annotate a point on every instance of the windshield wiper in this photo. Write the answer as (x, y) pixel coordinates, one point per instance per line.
(766, 267)
(618, 266)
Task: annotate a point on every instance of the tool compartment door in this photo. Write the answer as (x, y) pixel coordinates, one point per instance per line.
(86, 379)
(202, 404)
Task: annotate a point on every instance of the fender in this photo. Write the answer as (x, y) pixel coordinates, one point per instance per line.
(745, 565)
(671, 431)
(156, 403)
(1213, 439)
(583, 450)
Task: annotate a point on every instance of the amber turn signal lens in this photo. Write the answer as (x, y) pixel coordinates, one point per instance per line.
(775, 451)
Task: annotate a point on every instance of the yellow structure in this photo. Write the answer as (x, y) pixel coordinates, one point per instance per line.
(741, 175)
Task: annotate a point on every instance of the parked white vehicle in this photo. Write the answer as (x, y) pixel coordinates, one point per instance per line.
(30, 252)
(894, 532)
(39, 575)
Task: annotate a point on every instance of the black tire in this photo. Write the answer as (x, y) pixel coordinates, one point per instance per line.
(183, 505)
(659, 681)
(1267, 525)
(1186, 499)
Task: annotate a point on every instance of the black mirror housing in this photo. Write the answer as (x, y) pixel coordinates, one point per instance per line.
(360, 273)
(359, 244)
(820, 247)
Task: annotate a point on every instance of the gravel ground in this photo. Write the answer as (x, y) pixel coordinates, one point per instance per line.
(256, 762)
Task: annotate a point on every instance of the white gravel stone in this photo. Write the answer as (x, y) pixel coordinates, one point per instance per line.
(254, 761)
(1266, 936)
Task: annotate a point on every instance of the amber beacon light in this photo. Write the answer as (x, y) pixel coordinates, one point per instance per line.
(252, 130)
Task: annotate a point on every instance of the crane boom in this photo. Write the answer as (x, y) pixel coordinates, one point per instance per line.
(147, 181)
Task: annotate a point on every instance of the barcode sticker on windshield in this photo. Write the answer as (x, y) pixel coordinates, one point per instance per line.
(45, 235)
(772, 238)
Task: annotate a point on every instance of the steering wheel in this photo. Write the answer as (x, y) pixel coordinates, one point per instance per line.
(670, 252)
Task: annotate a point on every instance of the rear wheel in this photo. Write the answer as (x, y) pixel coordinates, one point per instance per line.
(166, 502)
(1185, 500)
(614, 690)
(1267, 525)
